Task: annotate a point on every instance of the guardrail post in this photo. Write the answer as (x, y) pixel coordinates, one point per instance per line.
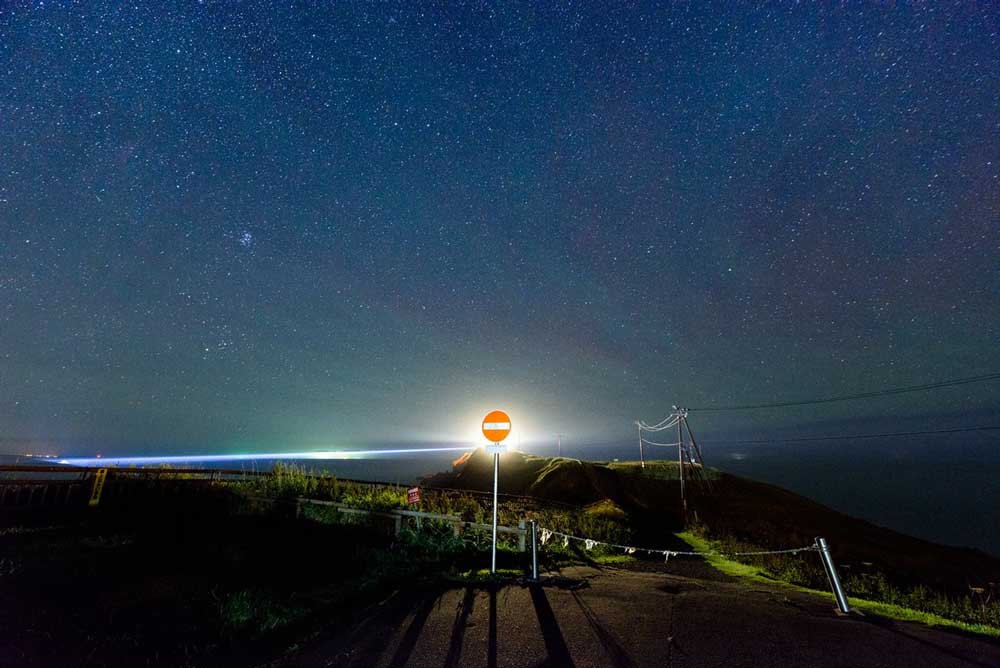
(520, 536)
(534, 550)
(831, 574)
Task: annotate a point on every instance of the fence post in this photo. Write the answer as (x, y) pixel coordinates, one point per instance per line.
(831, 574)
(399, 524)
(520, 536)
(534, 550)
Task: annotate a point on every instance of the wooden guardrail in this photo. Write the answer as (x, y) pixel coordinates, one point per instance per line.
(398, 515)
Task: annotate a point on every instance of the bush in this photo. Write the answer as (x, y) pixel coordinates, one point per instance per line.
(255, 611)
(806, 570)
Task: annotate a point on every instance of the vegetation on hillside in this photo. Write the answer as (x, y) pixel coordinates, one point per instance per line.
(623, 516)
(740, 515)
(240, 566)
(603, 520)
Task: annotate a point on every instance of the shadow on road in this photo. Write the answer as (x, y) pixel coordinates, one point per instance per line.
(616, 653)
(412, 634)
(373, 645)
(555, 644)
(491, 652)
(892, 627)
(458, 628)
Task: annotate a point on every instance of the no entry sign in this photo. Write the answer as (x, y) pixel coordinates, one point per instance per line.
(496, 426)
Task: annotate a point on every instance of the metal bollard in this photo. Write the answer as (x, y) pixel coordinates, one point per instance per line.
(534, 550)
(831, 574)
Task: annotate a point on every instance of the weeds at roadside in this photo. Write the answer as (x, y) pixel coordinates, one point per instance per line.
(805, 570)
(256, 611)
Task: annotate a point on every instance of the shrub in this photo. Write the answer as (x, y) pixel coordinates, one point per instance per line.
(805, 570)
(255, 611)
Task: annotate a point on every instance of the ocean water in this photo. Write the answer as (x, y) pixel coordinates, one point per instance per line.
(944, 488)
(946, 493)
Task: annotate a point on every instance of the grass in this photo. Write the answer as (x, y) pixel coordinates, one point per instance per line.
(660, 469)
(483, 575)
(256, 611)
(612, 559)
(435, 549)
(889, 610)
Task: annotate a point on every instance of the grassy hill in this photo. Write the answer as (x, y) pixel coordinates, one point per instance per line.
(737, 511)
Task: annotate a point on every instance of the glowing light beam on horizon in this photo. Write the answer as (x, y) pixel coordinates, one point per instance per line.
(204, 459)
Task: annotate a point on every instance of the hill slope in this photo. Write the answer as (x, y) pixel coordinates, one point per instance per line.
(745, 509)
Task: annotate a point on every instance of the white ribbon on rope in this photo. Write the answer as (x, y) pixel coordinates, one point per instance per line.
(589, 544)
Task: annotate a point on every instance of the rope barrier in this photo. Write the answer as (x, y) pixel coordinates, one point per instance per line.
(589, 544)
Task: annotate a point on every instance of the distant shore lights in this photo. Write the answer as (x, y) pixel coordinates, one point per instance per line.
(205, 459)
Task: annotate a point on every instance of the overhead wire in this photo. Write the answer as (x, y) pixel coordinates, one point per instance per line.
(860, 395)
(666, 445)
(661, 426)
(847, 437)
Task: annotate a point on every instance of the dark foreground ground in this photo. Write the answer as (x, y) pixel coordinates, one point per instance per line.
(195, 579)
(611, 617)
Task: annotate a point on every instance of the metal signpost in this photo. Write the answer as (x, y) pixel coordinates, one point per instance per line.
(496, 427)
(95, 492)
(534, 550)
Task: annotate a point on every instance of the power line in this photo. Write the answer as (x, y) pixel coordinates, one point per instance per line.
(667, 445)
(861, 395)
(665, 424)
(956, 430)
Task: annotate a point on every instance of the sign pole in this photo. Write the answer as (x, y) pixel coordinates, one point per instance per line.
(496, 477)
(496, 427)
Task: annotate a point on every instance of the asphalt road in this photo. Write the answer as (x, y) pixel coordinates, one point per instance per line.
(610, 617)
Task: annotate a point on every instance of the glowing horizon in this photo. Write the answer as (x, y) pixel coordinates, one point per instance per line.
(193, 459)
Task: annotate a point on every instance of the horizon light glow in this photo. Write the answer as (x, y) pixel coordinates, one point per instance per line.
(202, 459)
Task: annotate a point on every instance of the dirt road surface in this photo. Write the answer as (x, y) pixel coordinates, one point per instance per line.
(617, 618)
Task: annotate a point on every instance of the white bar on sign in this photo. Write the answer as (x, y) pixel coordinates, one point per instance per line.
(496, 425)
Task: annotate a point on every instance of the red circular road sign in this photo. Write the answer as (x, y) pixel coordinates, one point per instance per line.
(496, 426)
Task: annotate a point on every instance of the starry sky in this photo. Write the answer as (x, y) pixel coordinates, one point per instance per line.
(265, 225)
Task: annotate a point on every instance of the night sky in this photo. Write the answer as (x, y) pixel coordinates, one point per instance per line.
(269, 225)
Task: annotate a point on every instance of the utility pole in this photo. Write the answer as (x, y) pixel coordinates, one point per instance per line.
(680, 456)
(685, 455)
(642, 459)
(559, 436)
